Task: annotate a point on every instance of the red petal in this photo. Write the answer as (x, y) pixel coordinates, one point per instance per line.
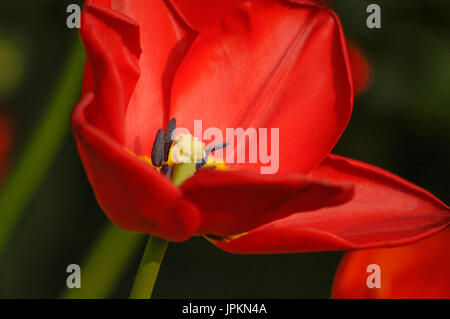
(386, 211)
(233, 202)
(111, 41)
(270, 65)
(361, 72)
(103, 3)
(133, 194)
(318, 2)
(199, 14)
(164, 42)
(420, 270)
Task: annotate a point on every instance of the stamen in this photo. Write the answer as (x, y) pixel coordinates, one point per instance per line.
(201, 164)
(213, 148)
(167, 170)
(171, 126)
(208, 151)
(158, 149)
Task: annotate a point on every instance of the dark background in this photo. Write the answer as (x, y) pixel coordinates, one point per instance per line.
(401, 124)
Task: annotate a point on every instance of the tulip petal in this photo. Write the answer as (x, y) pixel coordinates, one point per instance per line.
(199, 14)
(385, 211)
(112, 47)
(268, 64)
(164, 41)
(133, 194)
(361, 71)
(232, 202)
(419, 270)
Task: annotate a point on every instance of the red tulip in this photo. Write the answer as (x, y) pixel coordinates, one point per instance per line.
(263, 64)
(5, 143)
(419, 270)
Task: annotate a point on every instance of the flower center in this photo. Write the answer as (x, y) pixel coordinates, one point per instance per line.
(181, 153)
(180, 157)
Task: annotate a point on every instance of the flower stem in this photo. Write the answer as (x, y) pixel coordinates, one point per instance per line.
(156, 247)
(149, 268)
(42, 147)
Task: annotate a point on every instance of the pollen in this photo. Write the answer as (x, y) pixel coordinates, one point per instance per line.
(187, 149)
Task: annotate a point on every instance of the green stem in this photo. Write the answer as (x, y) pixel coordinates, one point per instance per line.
(105, 263)
(156, 247)
(149, 268)
(41, 149)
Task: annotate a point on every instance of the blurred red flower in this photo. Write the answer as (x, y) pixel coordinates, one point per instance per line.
(419, 270)
(263, 63)
(5, 143)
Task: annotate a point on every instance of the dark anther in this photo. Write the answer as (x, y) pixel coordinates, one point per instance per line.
(211, 149)
(201, 164)
(167, 170)
(171, 126)
(208, 151)
(158, 149)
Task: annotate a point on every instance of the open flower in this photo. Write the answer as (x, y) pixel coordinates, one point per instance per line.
(256, 64)
(419, 270)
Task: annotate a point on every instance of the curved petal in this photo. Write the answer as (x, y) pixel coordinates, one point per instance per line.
(385, 211)
(232, 202)
(361, 71)
(420, 270)
(199, 14)
(164, 41)
(112, 47)
(133, 195)
(268, 64)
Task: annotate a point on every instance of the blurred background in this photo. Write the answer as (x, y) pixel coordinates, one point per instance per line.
(401, 123)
